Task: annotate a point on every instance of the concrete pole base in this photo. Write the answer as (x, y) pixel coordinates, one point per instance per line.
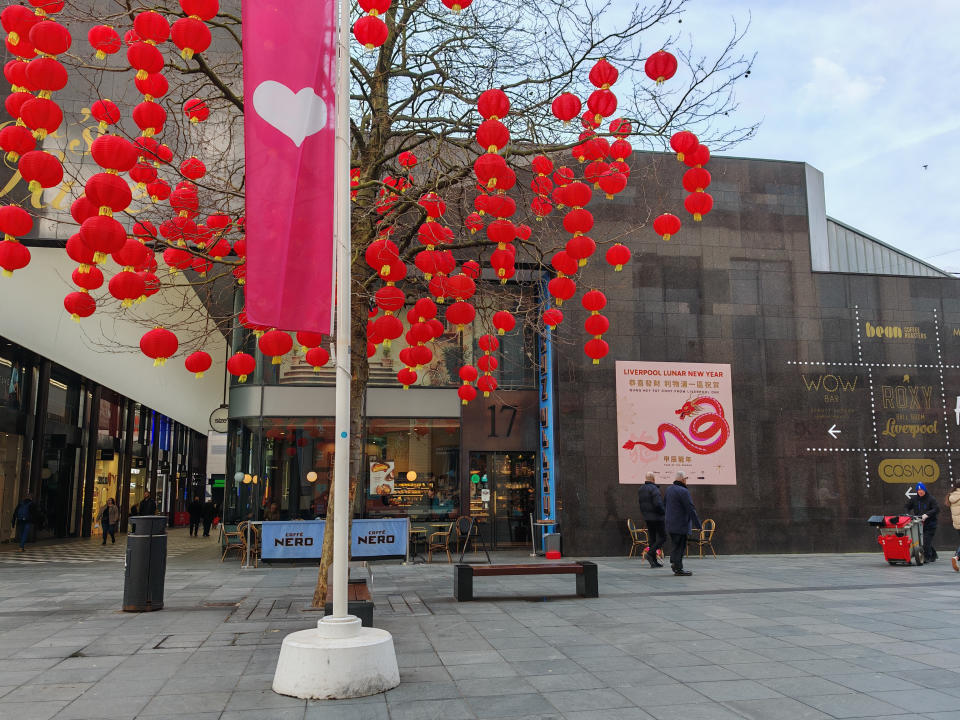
(339, 659)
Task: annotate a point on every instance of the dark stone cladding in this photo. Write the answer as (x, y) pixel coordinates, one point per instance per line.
(736, 288)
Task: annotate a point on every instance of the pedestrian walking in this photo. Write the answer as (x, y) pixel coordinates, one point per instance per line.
(195, 508)
(148, 506)
(25, 517)
(924, 505)
(653, 511)
(109, 520)
(680, 517)
(209, 512)
(953, 502)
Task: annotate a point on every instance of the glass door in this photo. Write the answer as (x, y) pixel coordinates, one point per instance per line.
(502, 495)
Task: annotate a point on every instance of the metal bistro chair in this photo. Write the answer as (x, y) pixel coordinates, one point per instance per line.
(704, 536)
(234, 540)
(438, 541)
(638, 539)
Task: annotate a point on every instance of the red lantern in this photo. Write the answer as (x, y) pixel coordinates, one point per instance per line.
(193, 168)
(473, 222)
(14, 222)
(105, 40)
(80, 252)
(191, 35)
(370, 31)
(22, 49)
(103, 234)
(457, 5)
(501, 232)
(159, 344)
(105, 112)
(196, 109)
(504, 322)
(275, 344)
(542, 165)
(152, 27)
(488, 343)
(177, 259)
(50, 37)
(406, 377)
(406, 159)
(618, 255)
(492, 135)
(596, 349)
(159, 190)
(493, 104)
(461, 314)
(541, 208)
(594, 301)
(698, 204)
(576, 194)
(580, 248)
(308, 339)
(241, 365)
(132, 254)
(144, 58)
(143, 173)
(317, 357)
(17, 21)
(698, 157)
(487, 384)
(109, 193)
(202, 9)
(683, 142)
(578, 221)
(16, 140)
(466, 393)
(92, 279)
(603, 74)
(42, 116)
(389, 327)
(666, 225)
(114, 153)
(661, 66)
(566, 107)
(563, 263)
(198, 363)
(602, 103)
(13, 256)
(46, 75)
(596, 325)
(552, 317)
(612, 183)
(149, 117)
(620, 127)
(40, 169)
(468, 374)
(126, 286)
(620, 150)
(561, 288)
(433, 204)
(389, 298)
(696, 179)
(79, 304)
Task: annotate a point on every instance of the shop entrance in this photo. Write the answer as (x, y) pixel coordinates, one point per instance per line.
(502, 495)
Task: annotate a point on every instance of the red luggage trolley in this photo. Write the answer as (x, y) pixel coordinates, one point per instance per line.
(901, 537)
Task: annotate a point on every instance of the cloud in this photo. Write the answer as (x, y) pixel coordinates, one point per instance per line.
(832, 87)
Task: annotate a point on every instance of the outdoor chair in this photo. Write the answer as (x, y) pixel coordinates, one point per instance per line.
(233, 540)
(440, 541)
(704, 536)
(638, 539)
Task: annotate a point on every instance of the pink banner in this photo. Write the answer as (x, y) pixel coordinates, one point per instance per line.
(289, 74)
(675, 417)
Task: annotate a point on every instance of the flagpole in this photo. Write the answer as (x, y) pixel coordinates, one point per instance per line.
(341, 463)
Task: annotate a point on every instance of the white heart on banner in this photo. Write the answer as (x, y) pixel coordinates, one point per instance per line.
(296, 115)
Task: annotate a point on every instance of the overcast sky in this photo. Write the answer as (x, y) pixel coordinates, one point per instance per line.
(868, 93)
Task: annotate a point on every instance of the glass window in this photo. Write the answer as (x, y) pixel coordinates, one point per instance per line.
(63, 401)
(11, 383)
(411, 468)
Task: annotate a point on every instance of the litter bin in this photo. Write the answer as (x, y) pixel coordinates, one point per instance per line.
(146, 564)
(551, 543)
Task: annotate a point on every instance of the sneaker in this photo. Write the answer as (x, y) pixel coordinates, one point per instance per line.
(956, 563)
(682, 572)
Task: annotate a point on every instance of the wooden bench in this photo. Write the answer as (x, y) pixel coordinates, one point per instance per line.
(586, 572)
(359, 600)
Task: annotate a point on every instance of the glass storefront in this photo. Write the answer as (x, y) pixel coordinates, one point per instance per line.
(502, 495)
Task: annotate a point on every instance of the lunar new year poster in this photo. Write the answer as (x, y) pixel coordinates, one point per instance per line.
(674, 417)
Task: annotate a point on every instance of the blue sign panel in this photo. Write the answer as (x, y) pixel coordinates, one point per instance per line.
(303, 539)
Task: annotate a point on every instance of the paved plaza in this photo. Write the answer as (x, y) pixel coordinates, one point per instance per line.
(761, 637)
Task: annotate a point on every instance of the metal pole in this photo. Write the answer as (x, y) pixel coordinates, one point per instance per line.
(341, 464)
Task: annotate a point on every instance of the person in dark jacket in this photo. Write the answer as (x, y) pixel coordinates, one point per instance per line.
(195, 508)
(926, 507)
(148, 506)
(209, 513)
(681, 516)
(652, 509)
(25, 516)
(109, 520)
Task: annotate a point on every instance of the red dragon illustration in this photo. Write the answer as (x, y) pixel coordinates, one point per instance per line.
(703, 427)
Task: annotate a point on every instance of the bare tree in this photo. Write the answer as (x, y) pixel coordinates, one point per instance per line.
(417, 94)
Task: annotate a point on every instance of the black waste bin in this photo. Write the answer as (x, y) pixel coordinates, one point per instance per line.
(146, 564)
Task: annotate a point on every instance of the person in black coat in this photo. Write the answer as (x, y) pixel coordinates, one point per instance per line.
(652, 509)
(148, 506)
(926, 507)
(209, 513)
(680, 517)
(195, 508)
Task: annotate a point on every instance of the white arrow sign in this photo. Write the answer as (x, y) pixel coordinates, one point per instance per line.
(910, 493)
(833, 432)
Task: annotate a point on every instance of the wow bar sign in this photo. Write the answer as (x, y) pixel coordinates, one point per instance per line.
(303, 539)
(289, 73)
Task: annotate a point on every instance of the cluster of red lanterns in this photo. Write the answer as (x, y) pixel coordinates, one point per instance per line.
(487, 364)
(14, 222)
(596, 325)
(370, 30)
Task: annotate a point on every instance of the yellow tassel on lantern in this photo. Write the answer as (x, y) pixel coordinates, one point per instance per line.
(8, 273)
(697, 217)
(276, 360)
(186, 54)
(142, 74)
(157, 362)
(14, 38)
(105, 210)
(198, 375)
(75, 317)
(127, 302)
(100, 55)
(242, 378)
(596, 361)
(12, 156)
